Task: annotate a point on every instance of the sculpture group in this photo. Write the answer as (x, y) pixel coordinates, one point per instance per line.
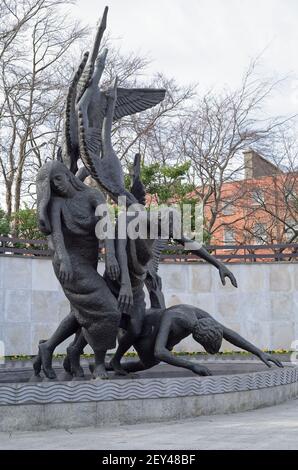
(110, 307)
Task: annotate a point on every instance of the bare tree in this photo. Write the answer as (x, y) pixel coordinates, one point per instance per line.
(15, 16)
(34, 86)
(218, 128)
(33, 53)
(277, 212)
(37, 60)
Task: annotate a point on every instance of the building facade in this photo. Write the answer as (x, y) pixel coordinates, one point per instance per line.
(262, 208)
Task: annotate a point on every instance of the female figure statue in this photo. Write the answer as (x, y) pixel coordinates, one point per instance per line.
(66, 213)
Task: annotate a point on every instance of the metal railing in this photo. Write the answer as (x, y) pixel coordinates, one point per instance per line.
(240, 253)
(22, 246)
(173, 253)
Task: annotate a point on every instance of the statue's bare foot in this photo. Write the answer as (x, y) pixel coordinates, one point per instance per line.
(74, 362)
(66, 364)
(77, 371)
(46, 360)
(37, 360)
(37, 365)
(117, 367)
(99, 372)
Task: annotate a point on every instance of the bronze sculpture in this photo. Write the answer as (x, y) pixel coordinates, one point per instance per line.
(67, 214)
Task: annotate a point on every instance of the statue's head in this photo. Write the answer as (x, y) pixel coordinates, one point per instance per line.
(209, 334)
(53, 178)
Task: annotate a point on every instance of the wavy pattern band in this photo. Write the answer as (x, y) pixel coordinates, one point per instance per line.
(59, 392)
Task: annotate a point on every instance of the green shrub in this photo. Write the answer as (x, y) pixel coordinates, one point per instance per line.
(4, 224)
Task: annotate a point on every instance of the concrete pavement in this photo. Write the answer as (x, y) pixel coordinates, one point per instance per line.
(266, 428)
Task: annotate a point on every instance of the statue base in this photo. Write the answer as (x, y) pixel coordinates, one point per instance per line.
(159, 394)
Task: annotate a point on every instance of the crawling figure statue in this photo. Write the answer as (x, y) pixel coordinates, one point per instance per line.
(165, 328)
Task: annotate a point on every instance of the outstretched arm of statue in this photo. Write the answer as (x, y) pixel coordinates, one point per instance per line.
(65, 270)
(237, 340)
(198, 250)
(161, 352)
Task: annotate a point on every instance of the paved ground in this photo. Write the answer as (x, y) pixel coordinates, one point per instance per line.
(266, 428)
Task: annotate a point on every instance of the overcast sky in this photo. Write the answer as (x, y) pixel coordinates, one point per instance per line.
(208, 41)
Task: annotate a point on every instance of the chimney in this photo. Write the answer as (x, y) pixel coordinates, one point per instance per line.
(256, 166)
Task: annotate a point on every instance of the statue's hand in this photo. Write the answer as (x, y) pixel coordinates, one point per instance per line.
(200, 370)
(266, 358)
(225, 272)
(125, 299)
(65, 271)
(112, 267)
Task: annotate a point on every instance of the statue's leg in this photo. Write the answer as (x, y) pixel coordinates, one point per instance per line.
(145, 349)
(67, 327)
(72, 360)
(128, 339)
(96, 310)
(101, 336)
(125, 343)
(99, 370)
(97, 343)
(132, 366)
(137, 366)
(66, 361)
(37, 361)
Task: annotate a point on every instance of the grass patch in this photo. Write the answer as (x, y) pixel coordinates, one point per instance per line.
(180, 353)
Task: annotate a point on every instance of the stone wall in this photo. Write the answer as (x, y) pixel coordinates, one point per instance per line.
(264, 308)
